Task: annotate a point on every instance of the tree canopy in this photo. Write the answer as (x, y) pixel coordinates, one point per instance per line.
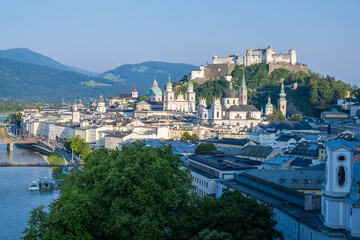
(205, 148)
(78, 145)
(189, 137)
(142, 192)
(296, 117)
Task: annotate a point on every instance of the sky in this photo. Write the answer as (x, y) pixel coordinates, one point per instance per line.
(101, 35)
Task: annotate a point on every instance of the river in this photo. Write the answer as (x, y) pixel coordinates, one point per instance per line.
(16, 201)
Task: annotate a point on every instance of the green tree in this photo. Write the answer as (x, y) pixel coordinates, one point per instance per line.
(207, 234)
(78, 145)
(133, 193)
(141, 192)
(296, 117)
(233, 213)
(187, 137)
(205, 148)
(358, 113)
(36, 224)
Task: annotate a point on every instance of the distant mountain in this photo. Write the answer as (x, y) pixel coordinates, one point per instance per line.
(35, 82)
(142, 74)
(26, 55)
(32, 82)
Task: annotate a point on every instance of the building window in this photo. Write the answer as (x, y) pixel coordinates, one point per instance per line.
(288, 222)
(310, 237)
(295, 226)
(341, 158)
(308, 181)
(228, 101)
(282, 180)
(302, 231)
(341, 176)
(217, 114)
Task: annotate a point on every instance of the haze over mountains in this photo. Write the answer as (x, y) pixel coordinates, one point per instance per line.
(28, 75)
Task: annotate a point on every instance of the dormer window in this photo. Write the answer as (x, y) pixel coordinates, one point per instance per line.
(307, 181)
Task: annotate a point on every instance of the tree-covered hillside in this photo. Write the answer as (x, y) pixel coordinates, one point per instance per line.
(31, 82)
(315, 93)
(142, 74)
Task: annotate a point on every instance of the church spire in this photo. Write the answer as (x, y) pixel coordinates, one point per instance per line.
(243, 84)
(155, 84)
(282, 92)
(243, 91)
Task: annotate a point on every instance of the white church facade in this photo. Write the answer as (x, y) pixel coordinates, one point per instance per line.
(231, 110)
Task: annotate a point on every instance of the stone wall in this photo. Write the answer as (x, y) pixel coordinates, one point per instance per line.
(292, 68)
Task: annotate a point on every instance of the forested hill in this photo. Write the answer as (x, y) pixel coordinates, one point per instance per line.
(25, 81)
(315, 93)
(142, 74)
(32, 82)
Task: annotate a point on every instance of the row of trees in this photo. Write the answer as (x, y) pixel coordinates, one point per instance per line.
(142, 192)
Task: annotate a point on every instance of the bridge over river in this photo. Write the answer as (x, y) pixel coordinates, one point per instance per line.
(20, 164)
(11, 143)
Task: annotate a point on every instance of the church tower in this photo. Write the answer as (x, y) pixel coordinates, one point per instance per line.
(135, 93)
(243, 91)
(101, 108)
(340, 183)
(216, 109)
(268, 107)
(75, 114)
(190, 96)
(168, 95)
(281, 104)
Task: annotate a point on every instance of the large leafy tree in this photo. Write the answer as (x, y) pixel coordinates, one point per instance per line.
(189, 137)
(142, 192)
(205, 148)
(78, 145)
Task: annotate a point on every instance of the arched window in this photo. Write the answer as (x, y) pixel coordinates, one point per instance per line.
(234, 101)
(341, 176)
(205, 115)
(217, 114)
(228, 101)
(341, 158)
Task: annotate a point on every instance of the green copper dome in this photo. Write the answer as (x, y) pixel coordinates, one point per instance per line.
(154, 90)
(269, 105)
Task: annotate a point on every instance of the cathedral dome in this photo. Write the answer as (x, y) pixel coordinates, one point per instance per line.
(231, 93)
(154, 91)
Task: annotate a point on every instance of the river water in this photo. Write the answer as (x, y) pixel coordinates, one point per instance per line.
(16, 201)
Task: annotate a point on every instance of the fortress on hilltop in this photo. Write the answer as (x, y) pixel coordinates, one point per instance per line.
(223, 66)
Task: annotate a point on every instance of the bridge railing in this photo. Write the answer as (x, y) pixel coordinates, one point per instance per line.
(34, 164)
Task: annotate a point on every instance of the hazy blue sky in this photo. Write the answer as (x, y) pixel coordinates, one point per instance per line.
(100, 35)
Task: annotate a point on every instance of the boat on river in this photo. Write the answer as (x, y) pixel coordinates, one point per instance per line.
(34, 186)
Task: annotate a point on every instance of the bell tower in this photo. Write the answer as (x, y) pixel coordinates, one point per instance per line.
(338, 183)
(281, 104)
(243, 91)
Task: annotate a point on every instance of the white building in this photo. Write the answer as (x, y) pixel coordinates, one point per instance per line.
(101, 108)
(302, 215)
(181, 103)
(232, 110)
